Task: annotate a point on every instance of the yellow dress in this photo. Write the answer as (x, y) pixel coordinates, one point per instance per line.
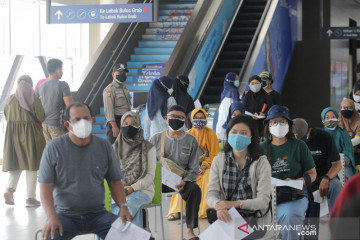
(207, 140)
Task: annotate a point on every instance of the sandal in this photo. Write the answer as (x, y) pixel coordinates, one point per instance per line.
(173, 217)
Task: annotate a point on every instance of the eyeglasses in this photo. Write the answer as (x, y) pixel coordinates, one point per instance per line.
(347, 108)
(275, 123)
(174, 116)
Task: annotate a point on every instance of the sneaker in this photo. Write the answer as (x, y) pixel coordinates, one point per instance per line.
(32, 202)
(9, 196)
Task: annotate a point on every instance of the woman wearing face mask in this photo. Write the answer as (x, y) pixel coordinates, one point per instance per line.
(182, 97)
(158, 101)
(209, 148)
(229, 95)
(349, 120)
(137, 158)
(240, 176)
(290, 159)
(257, 102)
(24, 141)
(329, 117)
(355, 95)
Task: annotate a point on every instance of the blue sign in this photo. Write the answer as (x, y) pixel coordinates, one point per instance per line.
(107, 13)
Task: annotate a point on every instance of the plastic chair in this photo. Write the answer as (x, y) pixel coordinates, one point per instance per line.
(156, 201)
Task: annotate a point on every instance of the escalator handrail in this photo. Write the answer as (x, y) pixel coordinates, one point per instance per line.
(256, 43)
(96, 88)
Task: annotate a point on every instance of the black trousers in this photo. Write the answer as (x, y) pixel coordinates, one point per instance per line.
(192, 196)
(109, 133)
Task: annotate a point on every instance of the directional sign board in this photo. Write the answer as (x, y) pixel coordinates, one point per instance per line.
(107, 13)
(340, 33)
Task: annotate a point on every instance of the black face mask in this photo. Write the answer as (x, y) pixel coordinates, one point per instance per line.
(347, 113)
(264, 84)
(129, 131)
(121, 77)
(176, 124)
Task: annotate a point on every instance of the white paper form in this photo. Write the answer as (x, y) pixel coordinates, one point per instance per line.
(324, 207)
(298, 184)
(236, 229)
(197, 104)
(128, 232)
(170, 179)
(252, 115)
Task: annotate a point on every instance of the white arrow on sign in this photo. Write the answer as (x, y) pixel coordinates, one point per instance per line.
(58, 14)
(329, 32)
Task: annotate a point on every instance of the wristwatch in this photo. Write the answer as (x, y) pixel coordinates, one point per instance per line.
(123, 205)
(327, 177)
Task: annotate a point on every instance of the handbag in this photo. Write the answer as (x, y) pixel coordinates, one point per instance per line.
(313, 211)
(285, 193)
(168, 163)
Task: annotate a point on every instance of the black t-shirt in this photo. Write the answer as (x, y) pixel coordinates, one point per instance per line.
(324, 152)
(275, 97)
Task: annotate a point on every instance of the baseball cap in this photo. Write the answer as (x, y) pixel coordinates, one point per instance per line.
(120, 67)
(265, 75)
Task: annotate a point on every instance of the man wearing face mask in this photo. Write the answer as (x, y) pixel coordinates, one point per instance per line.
(266, 83)
(183, 149)
(72, 172)
(326, 157)
(117, 101)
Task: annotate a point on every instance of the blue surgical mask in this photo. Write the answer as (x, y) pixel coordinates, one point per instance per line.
(237, 83)
(239, 142)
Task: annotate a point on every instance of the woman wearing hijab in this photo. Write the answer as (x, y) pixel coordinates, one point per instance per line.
(137, 158)
(349, 120)
(182, 97)
(257, 102)
(24, 140)
(329, 117)
(158, 101)
(355, 95)
(208, 149)
(236, 108)
(229, 95)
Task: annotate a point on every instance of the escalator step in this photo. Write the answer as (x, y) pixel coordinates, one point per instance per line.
(210, 99)
(164, 30)
(233, 54)
(255, 2)
(249, 16)
(246, 23)
(175, 12)
(214, 90)
(161, 37)
(180, 18)
(240, 38)
(236, 46)
(221, 72)
(153, 50)
(177, 6)
(167, 24)
(230, 63)
(157, 43)
(254, 8)
(149, 57)
(243, 30)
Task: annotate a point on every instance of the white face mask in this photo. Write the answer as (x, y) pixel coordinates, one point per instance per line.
(356, 98)
(170, 91)
(279, 131)
(82, 128)
(255, 88)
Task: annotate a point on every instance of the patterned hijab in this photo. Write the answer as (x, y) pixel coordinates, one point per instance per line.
(24, 92)
(132, 153)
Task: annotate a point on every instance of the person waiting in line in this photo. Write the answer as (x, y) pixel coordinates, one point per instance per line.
(24, 140)
(182, 149)
(326, 158)
(349, 120)
(159, 99)
(355, 95)
(182, 97)
(257, 102)
(117, 101)
(72, 172)
(209, 148)
(329, 117)
(55, 96)
(137, 158)
(290, 159)
(229, 95)
(240, 176)
(236, 108)
(267, 82)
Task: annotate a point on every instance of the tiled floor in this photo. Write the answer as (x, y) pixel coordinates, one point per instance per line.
(20, 223)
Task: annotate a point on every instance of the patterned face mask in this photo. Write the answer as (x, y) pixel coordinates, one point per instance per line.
(331, 123)
(199, 123)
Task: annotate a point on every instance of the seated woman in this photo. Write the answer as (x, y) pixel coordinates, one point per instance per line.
(342, 139)
(240, 176)
(290, 159)
(209, 148)
(349, 120)
(137, 158)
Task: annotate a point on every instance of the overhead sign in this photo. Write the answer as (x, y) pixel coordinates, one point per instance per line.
(107, 13)
(340, 33)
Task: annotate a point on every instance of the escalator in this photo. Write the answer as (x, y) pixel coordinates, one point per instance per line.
(235, 48)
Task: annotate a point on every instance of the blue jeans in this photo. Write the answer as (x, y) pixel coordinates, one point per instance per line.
(98, 223)
(334, 190)
(135, 201)
(348, 172)
(291, 214)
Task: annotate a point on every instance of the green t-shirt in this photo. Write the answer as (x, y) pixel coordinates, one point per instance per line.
(290, 160)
